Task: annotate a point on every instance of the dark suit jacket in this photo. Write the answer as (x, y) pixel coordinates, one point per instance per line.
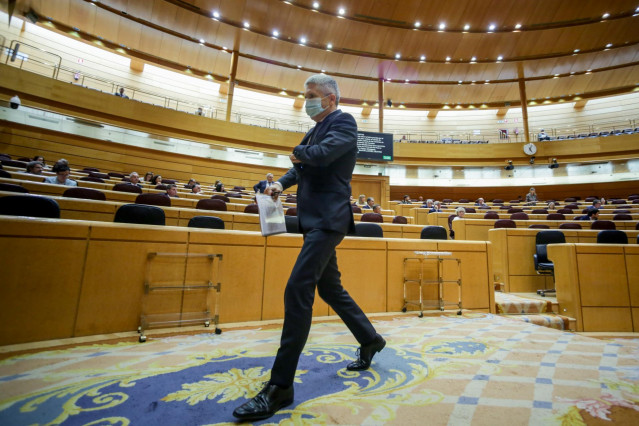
(260, 186)
(327, 154)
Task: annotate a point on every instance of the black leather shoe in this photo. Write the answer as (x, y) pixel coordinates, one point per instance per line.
(266, 403)
(365, 354)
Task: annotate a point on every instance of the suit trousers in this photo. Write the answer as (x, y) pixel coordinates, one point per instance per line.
(316, 265)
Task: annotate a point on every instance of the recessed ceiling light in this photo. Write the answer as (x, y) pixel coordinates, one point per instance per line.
(276, 33)
(556, 75)
(442, 26)
(216, 14)
(303, 40)
(223, 47)
(447, 58)
(576, 50)
(246, 24)
(406, 81)
(202, 41)
(299, 66)
(466, 27)
(499, 58)
(605, 15)
(341, 11)
(316, 5)
(518, 26)
(487, 81)
(397, 56)
(418, 24)
(460, 82)
(473, 59)
(422, 58)
(329, 46)
(492, 27)
(609, 45)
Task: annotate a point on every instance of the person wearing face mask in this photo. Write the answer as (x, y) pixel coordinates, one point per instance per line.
(323, 166)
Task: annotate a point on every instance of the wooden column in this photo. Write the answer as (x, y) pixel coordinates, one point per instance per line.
(523, 99)
(232, 74)
(380, 101)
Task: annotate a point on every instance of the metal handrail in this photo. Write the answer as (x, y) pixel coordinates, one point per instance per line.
(12, 46)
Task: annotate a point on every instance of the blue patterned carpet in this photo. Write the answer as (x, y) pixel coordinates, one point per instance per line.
(478, 368)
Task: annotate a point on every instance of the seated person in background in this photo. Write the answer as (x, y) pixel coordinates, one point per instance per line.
(157, 180)
(406, 199)
(420, 199)
(134, 179)
(121, 94)
(219, 186)
(542, 136)
(531, 197)
(377, 209)
(171, 191)
(148, 177)
(596, 204)
(480, 202)
(460, 212)
(428, 204)
(361, 201)
(34, 167)
(551, 205)
(437, 207)
(196, 189)
(200, 111)
(263, 184)
(190, 184)
(62, 171)
(603, 200)
(41, 160)
(370, 202)
(592, 215)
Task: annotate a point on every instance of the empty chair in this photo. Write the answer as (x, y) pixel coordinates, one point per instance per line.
(356, 209)
(233, 195)
(154, 200)
(251, 208)
(211, 204)
(539, 211)
(400, 219)
(569, 225)
(372, 217)
(463, 200)
(115, 175)
(612, 236)
(5, 174)
(570, 200)
(29, 205)
(603, 224)
(514, 210)
(572, 206)
(161, 187)
(291, 211)
(238, 188)
(125, 187)
(590, 199)
(140, 214)
(565, 211)
(433, 233)
(484, 207)
(497, 201)
(14, 163)
(85, 193)
(622, 216)
(169, 181)
(543, 265)
(447, 200)
(621, 211)
(91, 169)
(220, 197)
(539, 226)
(585, 211)
(514, 201)
(99, 175)
(25, 159)
(209, 222)
(519, 216)
(93, 179)
(491, 215)
(618, 201)
(555, 216)
(11, 187)
(504, 223)
(368, 230)
(470, 210)
(633, 197)
(292, 224)
(450, 225)
(505, 207)
(291, 199)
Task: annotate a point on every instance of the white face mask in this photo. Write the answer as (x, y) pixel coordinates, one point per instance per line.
(313, 106)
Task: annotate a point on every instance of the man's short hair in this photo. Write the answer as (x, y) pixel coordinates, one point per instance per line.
(325, 83)
(460, 209)
(60, 167)
(532, 189)
(171, 185)
(31, 165)
(134, 173)
(269, 174)
(595, 202)
(376, 205)
(370, 199)
(592, 212)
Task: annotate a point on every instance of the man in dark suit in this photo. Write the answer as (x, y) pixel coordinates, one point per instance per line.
(323, 166)
(263, 184)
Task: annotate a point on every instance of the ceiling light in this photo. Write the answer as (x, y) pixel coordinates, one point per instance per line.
(442, 26)
(329, 46)
(473, 59)
(341, 11)
(518, 26)
(323, 70)
(303, 40)
(418, 24)
(246, 24)
(202, 41)
(397, 56)
(224, 47)
(609, 45)
(316, 5)
(466, 27)
(492, 27)
(576, 50)
(460, 82)
(216, 14)
(276, 33)
(422, 58)
(447, 58)
(299, 66)
(605, 15)
(406, 81)
(499, 58)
